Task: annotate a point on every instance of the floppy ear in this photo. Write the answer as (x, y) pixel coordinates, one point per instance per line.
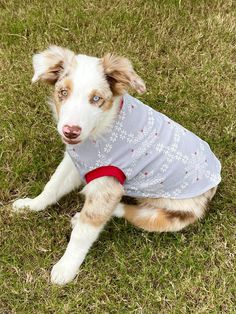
(121, 75)
(50, 64)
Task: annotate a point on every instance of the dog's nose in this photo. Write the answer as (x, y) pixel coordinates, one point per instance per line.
(71, 131)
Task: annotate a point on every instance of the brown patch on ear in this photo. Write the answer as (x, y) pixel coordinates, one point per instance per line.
(53, 73)
(121, 75)
(51, 64)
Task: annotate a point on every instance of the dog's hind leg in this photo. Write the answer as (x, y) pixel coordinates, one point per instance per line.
(154, 219)
(165, 214)
(65, 179)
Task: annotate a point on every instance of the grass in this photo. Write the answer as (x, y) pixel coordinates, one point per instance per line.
(185, 52)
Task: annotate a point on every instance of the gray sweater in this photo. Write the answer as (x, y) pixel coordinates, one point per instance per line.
(150, 154)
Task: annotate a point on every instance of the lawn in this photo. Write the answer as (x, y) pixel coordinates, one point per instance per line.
(185, 52)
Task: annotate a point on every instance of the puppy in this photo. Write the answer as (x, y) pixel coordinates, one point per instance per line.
(116, 146)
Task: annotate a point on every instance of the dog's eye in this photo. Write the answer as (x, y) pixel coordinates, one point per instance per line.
(96, 98)
(63, 93)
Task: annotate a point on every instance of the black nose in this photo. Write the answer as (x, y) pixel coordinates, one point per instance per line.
(71, 132)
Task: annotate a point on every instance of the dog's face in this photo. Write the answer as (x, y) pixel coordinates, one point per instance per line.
(87, 89)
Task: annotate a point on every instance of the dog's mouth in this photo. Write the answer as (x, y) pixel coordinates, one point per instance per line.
(70, 141)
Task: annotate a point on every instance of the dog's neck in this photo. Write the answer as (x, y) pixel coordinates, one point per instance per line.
(108, 119)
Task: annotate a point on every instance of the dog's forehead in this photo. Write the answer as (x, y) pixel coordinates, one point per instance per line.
(85, 76)
(88, 71)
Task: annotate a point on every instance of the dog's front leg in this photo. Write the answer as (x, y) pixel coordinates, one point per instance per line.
(64, 180)
(102, 197)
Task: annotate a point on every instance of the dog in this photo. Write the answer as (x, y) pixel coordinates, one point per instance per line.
(116, 146)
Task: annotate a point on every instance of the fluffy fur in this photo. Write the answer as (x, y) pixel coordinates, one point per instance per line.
(87, 93)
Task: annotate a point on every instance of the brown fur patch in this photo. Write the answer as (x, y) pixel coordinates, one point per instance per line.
(171, 219)
(159, 219)
(182, 216)
(105, 103)
(66, 84)
(94, 211)
(150, 223)
(116, 70)
(53, 73)
(57, 103)
(121, 75)
(129, 200)
(100, 203)
(58, 61)
(93, 218)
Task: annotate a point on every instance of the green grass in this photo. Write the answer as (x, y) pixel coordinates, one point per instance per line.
(185, 51)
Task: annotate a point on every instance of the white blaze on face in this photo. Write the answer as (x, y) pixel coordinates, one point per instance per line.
(77, 109)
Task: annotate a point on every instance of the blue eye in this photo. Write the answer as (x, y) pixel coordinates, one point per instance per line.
(96, 98)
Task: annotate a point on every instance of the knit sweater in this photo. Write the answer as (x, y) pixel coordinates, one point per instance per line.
(151, 155)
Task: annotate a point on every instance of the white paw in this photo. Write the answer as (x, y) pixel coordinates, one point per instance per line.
(27, 203)
(74, 220)
(63, 272)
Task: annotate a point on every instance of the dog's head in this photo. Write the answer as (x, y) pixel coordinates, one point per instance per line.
(87, 89)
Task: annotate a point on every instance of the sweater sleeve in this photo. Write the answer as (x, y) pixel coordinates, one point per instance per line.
(106, 171)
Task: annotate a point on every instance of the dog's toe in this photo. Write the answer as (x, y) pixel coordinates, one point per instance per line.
(21, 204)
(62, 273)
(33, 204)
